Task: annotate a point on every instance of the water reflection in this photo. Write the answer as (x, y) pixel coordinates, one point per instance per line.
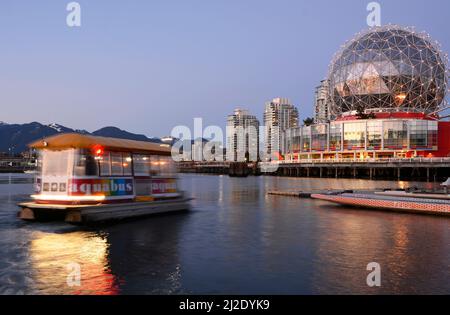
(353, 239)
(131, 258)
(272, 244)
(52, 254)
(237, 240)
(144, 255)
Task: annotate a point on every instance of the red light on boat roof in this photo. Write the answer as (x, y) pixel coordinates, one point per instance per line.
(98, 150)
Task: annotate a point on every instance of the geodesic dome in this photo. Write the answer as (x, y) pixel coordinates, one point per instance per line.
(388, 68)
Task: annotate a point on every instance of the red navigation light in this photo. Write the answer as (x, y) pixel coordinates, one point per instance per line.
(98, 150)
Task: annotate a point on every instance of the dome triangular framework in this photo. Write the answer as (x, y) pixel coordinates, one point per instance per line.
(388, 68)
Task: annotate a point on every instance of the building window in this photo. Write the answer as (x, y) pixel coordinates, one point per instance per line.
(395, 135)
(319, 137)
(306, 139)
(335, 137)
(418, 134)
(296, 140)
(354, 136)
(433, 135)
(374, 134)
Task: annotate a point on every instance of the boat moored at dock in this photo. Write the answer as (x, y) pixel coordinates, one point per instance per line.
(422, 203)
(84, 178)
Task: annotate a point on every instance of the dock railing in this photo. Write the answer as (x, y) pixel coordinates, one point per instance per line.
(362, 161)
(403, 161)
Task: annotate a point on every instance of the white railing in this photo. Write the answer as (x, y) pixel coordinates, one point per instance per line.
(326, 161)
(362, 161)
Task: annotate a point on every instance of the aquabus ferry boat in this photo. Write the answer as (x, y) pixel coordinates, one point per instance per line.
(84, 178)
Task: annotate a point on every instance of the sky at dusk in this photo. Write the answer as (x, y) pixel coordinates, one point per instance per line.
(147, 66)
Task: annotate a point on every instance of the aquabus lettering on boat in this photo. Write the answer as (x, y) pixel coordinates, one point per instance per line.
(163, 186)
(105, 187)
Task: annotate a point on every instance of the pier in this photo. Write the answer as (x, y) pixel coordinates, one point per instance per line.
(421, 169)
(418, 169)
(233, 169)
(15, 164)
(302, 194)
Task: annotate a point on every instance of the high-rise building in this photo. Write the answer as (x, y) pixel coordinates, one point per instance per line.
(279, 115)
(242, 137)
(322, 103)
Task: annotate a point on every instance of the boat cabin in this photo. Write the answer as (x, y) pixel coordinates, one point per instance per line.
(84, 169)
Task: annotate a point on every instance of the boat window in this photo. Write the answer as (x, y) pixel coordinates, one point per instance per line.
(85, 164)
(123, 164)
(162, 166)
(116, 164)
(167, 166)
(91, 165)
(39, 162)
(55, 163)
(141, 164)
(127, 163)
(105, 167)
(154, 165)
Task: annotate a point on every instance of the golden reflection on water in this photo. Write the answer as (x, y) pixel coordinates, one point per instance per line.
(354, 241)
(51, 254)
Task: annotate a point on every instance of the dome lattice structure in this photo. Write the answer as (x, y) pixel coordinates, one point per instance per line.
(388, 69)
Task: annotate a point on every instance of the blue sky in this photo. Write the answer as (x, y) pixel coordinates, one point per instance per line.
(147, 66)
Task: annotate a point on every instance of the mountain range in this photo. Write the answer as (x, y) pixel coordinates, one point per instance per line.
(14, 138)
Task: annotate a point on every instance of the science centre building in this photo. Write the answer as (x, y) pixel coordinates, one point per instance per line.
(386, 96)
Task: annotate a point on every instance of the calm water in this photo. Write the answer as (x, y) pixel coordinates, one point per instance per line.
(236, 240)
